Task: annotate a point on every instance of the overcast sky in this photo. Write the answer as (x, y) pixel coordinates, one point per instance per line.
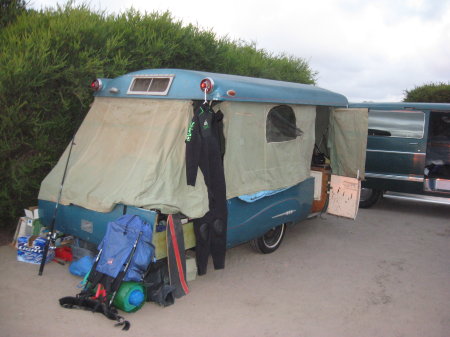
(370, 50)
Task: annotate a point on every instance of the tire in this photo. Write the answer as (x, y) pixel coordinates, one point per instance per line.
(369, 197)
(269, 242)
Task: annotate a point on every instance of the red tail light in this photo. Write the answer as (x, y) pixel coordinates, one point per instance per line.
(207, 84)
(97, 85)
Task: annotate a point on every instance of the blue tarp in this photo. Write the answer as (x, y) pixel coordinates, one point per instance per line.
(259, 195)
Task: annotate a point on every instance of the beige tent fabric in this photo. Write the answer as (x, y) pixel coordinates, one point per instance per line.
(130, 151)
(347, 141)
(251, 164)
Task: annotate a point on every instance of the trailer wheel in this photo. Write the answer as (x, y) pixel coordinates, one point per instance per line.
(269, 242)
(369, 196)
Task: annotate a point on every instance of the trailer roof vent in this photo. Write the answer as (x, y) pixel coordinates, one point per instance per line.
(151, 85)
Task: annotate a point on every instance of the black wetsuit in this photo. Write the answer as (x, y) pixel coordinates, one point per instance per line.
(203, 149)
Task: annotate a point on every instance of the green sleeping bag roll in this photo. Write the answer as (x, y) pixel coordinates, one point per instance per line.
(130, 297)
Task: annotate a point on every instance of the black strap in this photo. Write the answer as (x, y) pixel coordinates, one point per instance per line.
(126, 225)
(86, 303)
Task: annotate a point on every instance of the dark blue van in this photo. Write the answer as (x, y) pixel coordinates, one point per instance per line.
(408, 152)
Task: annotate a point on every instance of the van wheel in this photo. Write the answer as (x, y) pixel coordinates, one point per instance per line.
(269, 242)
(369, 196)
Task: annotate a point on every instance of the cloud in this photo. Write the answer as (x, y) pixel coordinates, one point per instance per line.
(367, 50)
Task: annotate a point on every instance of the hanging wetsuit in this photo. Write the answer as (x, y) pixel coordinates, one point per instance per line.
(203, 150)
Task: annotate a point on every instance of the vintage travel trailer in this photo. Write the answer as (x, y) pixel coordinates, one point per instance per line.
(408, 152)
(281, 144)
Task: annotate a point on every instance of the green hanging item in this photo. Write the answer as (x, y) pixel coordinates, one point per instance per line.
(130, 297)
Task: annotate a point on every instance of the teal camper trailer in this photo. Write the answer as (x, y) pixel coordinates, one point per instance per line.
(408, 152)
(282, 141)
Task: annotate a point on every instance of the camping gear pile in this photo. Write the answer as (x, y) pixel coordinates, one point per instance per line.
(124, 274)
(116, 277)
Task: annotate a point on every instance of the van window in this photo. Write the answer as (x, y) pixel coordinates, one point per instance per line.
(391, 123)
(281, 124)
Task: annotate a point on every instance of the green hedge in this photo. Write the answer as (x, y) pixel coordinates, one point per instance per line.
(49, 58)
(9, 10)
(431, 93)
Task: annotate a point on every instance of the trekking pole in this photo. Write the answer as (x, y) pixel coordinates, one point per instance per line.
(125, 269)
(51, 236)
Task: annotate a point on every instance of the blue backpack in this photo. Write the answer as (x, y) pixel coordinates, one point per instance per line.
(125, 253)
(117, 245)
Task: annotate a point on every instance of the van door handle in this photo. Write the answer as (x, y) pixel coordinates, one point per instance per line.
(413, 143)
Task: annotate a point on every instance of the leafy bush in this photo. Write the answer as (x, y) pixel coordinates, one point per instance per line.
(48, 59)
(10, 9)
(431, 93)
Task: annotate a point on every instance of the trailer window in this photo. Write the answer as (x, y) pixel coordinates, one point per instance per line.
(281, 124)
(391, 123)
(150, 85)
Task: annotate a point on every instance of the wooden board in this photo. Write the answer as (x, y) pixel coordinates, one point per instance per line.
(321, 176)
(159, 240)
